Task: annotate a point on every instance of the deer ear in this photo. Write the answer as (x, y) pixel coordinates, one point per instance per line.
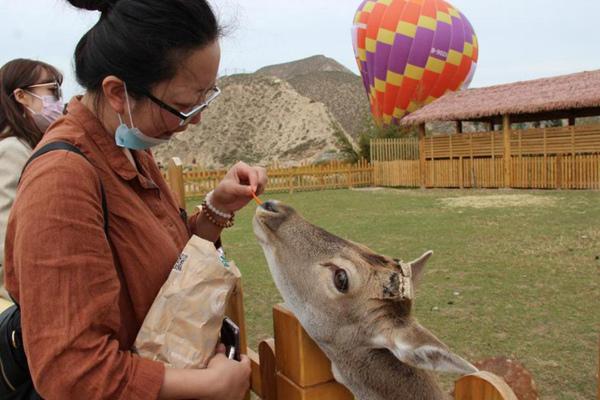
(416, 346)
(418, 266)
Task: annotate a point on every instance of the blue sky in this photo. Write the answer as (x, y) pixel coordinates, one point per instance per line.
(519, 39)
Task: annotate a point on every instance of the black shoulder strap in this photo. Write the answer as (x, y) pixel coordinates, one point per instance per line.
(69, 147)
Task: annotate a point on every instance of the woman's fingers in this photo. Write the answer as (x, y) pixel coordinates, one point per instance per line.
(256, 177)
(262, 180)
(236, 189)
(246, 173)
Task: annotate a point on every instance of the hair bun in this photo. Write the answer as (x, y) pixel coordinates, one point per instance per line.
(94, 5)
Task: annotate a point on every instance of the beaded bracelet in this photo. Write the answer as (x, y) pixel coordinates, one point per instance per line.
(215, 210)
(209, 215)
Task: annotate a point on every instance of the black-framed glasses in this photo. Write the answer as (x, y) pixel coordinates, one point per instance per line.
(53, 86)
(186, 117)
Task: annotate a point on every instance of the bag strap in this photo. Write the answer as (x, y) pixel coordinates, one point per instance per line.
(73, 149)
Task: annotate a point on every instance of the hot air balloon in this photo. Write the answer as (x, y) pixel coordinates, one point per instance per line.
(411, 52)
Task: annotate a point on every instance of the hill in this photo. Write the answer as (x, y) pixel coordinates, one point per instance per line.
(285, 113)
(301, 67)
(260, 120)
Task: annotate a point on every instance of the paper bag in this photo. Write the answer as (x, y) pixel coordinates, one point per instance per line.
(183, 324)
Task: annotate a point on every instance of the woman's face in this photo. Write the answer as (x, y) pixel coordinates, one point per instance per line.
(30, 97)
(195, 77)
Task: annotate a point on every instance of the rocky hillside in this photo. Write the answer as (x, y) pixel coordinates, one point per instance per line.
(257, 119)
(341, 92)
(285, 113)
(301, 67)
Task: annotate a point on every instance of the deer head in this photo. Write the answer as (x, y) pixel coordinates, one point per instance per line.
(354, 303)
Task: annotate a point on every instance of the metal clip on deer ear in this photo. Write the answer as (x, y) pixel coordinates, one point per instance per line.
(411, 275)
(407, 291)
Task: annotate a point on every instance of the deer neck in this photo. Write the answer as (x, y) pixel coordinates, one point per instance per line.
(376, 374)
(371, 374)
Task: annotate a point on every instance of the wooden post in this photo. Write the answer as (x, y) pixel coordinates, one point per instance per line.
(483, 385)
(303, 371)
(559, 168)
(461, 173)
(235, 311)
(349, 176)
(175, 174)
(422, 155)
(452, 175)
(268, 370)
(572, 130)
(459, 127)
(495, 181)
(473, 175)
(545, 183)
(573, 170)
(571, 121)
(507, 155)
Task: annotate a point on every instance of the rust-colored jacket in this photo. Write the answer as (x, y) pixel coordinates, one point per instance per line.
(83, 297)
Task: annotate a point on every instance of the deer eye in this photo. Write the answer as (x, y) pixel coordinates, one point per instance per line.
(340, 280)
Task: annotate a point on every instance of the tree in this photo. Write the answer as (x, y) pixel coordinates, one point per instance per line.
(346, 148)
(376, 132)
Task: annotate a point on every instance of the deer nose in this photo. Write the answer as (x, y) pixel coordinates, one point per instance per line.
(269, 205)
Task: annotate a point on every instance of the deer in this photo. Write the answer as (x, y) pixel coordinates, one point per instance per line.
(356, 305)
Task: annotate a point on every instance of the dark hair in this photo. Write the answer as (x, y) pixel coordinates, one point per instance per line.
(141, 41)
(20, 74)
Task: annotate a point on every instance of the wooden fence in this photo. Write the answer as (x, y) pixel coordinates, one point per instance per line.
(335, 175)
(394, 149)
(546, 158)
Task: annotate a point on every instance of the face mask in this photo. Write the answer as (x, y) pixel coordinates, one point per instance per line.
(132, 138)
(52, 109)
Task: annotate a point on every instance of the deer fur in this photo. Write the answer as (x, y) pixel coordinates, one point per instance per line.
(377, 348)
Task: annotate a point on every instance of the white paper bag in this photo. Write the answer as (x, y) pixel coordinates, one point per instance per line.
(182, 327)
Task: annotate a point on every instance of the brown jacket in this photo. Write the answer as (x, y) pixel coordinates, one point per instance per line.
(84, 297)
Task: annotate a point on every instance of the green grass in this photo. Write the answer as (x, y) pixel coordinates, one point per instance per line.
(528, 276)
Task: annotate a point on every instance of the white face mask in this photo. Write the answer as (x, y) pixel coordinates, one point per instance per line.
(133, 138)
(52, 109)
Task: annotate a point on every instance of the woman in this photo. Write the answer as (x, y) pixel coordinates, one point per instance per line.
(149, 68)
(30, 101)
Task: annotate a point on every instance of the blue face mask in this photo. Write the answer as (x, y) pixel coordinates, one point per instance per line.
(132, 138)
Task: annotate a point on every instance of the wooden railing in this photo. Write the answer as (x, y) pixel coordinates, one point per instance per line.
(581, 139)
(548, 158)
(545, 158)
(395, 149)
(196, 182)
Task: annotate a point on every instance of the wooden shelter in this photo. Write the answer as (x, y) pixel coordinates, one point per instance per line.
(566, 156)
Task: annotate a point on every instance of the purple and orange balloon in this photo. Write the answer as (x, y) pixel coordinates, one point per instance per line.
(411, 52)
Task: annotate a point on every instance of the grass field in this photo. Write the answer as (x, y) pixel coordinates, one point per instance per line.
(514, 273)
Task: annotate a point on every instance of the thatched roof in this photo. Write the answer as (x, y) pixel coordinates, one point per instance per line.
(547, 95)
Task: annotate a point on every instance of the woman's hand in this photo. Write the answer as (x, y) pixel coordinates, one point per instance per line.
(222, 379)
(236, 188)
(233, 377)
